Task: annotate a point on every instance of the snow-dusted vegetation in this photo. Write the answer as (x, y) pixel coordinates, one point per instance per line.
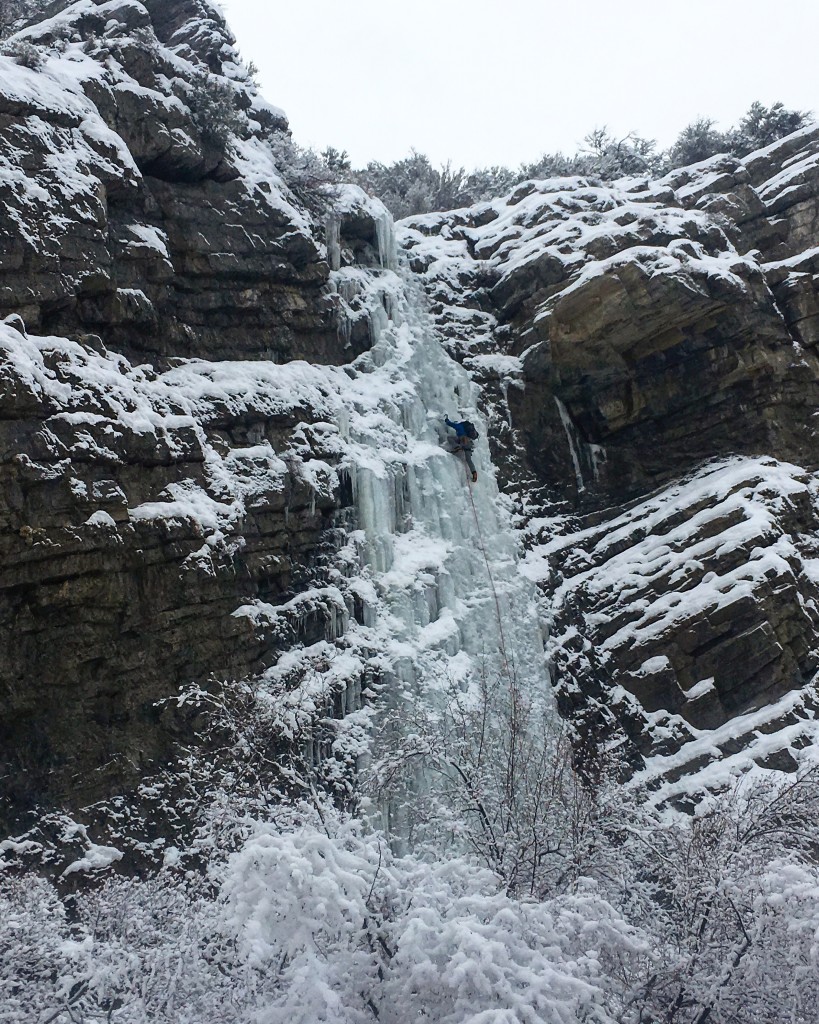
(288, 910)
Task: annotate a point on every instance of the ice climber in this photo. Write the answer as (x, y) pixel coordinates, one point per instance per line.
(465, 435)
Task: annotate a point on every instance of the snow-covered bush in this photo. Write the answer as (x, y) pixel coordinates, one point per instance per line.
(308, 916)
(730, 898)
(299, 907)
(309, 175)
(23, 53)
(213, 105)
(413, 185)
(489, 769)
(759, 127)
(31, 940)
(337, 929)
(697, 141)
(464, 951)
(763, 125)
(127, 951)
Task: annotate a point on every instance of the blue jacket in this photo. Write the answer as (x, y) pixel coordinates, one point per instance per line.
(459, 428)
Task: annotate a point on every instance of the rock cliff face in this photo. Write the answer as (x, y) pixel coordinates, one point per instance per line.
(643, 311)
(148, 227)
(140, 510)
(176, 370)
(641, 347)
(147, 497)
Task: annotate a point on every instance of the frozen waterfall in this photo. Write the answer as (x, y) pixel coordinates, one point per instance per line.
(437, 556)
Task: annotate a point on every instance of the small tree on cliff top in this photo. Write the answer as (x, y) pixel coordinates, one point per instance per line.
(763, 125)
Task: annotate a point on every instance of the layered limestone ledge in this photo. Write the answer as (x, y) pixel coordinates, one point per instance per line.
(141, 511)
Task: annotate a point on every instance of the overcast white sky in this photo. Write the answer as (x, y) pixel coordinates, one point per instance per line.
(482, 82)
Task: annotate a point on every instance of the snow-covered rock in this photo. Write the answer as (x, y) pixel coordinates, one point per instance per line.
(141, 509)
(690, 612)
(141, 199)
(647, 355)
(217, 446)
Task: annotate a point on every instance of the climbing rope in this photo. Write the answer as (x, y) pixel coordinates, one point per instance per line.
(504, 655)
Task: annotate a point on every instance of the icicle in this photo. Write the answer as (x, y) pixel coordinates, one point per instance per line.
(378, 323)
(385, 236)
(569, 427)
(332, 229)
(377, 518)
(504, 386)
(598, 457)
(345, 328)
(393, 308)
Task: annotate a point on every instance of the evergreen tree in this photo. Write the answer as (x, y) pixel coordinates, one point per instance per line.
(607, 157)
(698, 141)
(763, 125)
(759, 127)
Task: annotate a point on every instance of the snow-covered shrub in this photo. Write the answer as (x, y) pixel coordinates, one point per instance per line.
(284, 731)
(413, 185)
(605, 156)
(759, 127)
(309, 175)
(497, 780)
(31, 940)
(698, 141)
(336, 929)
(23, 53)
(464, 951)
(213, 105)
(763, 125)
(129, 951)
(299, 907)
(730, 899)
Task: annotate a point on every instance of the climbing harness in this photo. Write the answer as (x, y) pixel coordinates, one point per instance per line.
(504, 656)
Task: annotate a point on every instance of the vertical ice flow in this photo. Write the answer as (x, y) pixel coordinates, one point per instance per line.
(333, 233)
(422, 524)
(571, 436)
